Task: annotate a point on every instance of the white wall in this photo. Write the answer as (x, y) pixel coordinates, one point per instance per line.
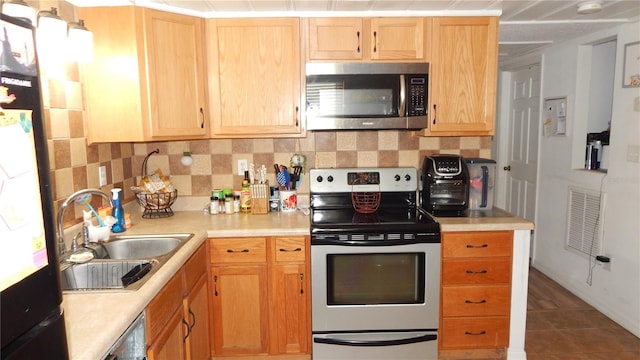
(616, 292)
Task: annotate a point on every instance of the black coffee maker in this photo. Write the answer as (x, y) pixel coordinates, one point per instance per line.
(444, 184)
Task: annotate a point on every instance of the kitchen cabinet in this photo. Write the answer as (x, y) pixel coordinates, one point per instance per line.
(147, 79)
(260, 295)
(164, 328)
(290, 301)
(195, 306)
(254, 68)
(240, 296)
(463, 57)
(475, 289)
(178, 317)
(356, 39)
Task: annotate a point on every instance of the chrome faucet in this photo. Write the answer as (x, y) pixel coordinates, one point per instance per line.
(63, 207)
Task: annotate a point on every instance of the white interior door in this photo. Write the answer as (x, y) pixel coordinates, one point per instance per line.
(522, 142)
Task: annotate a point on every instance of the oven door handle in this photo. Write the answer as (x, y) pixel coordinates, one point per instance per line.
(428, 238)
(391, 342)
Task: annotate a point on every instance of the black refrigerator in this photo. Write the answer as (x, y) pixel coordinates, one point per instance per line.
(32, 321)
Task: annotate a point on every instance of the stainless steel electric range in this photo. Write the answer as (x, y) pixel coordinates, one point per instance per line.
(375, 270)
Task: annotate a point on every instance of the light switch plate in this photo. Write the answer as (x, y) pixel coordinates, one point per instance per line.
(636, 104)
(102, 175)
(243, 166)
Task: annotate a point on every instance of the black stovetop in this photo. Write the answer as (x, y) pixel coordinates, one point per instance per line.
(393, 215)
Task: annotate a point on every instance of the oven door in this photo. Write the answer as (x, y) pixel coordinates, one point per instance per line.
(357, 287)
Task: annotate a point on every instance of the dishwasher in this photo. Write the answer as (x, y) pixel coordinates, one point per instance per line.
(131, 345)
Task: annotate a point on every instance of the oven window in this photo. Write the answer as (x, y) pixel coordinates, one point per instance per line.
(375, 278)
(353, 95)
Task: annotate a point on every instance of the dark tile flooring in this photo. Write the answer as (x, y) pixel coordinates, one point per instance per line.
(560, 326)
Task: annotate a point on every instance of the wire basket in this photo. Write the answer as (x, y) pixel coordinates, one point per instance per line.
(366, 202)
(157, 205)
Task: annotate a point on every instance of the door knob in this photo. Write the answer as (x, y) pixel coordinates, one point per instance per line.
(507, 168)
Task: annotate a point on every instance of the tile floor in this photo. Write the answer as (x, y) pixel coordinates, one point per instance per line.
(560, 326)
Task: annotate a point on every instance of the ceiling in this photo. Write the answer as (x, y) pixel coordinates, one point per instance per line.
(525, 25)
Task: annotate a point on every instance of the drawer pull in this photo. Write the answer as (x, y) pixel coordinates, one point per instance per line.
(475, 332)
(469, 271)
(290, 250)
(238, 251)
(483, 301)
(470, 246)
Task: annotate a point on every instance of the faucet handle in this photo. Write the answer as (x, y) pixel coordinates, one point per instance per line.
(74, 242)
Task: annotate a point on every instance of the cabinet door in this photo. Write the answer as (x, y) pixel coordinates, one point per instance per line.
(147, 80)
(335, 39)
(290, 289)
(196, 313)
(254, 81)
(397, 38)
(463, 76)
(176, 74)
(240, 309)
(169, 343)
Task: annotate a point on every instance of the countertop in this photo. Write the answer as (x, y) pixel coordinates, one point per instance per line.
(94, 321)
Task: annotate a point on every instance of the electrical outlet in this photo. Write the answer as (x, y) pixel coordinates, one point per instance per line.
(605, 265)
(636, 104)
(102, 175)
(243, 166)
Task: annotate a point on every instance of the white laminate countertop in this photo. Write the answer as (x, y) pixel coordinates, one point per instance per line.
(95, 320)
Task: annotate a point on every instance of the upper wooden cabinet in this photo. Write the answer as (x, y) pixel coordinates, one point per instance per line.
(463, 57)
(147, 79)
(357, 39)
(254, 77)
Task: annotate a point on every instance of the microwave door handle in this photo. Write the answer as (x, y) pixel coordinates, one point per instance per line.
(403, 97)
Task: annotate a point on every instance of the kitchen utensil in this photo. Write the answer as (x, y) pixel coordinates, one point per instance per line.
(86, 200)
(283, 177)
(295, 177)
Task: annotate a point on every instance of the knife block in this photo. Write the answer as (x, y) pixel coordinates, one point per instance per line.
(260, 198)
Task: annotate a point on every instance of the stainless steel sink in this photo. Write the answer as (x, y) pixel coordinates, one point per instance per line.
(124, 263)
(140, 248)
(106, 275)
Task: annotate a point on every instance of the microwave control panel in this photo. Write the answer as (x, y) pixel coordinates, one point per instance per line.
(417, 104)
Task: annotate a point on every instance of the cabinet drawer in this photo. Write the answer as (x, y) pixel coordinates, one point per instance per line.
(484, 300)
(477, 332)
(238, 250)
(476, 271)
(290, 248)
(477, 244)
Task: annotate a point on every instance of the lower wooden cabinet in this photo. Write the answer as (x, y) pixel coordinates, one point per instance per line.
(240, 309)
(260, 297)
(168, 345)
(178, 317)
(475, 289)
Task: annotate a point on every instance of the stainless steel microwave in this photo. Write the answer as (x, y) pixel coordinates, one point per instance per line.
(366, 96)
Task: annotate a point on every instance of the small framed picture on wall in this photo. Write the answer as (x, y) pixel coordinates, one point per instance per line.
(631, 65)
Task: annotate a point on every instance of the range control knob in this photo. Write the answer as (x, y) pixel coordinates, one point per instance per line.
(397, 177)
(330, 178)
(407, 177)
(319, 179)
